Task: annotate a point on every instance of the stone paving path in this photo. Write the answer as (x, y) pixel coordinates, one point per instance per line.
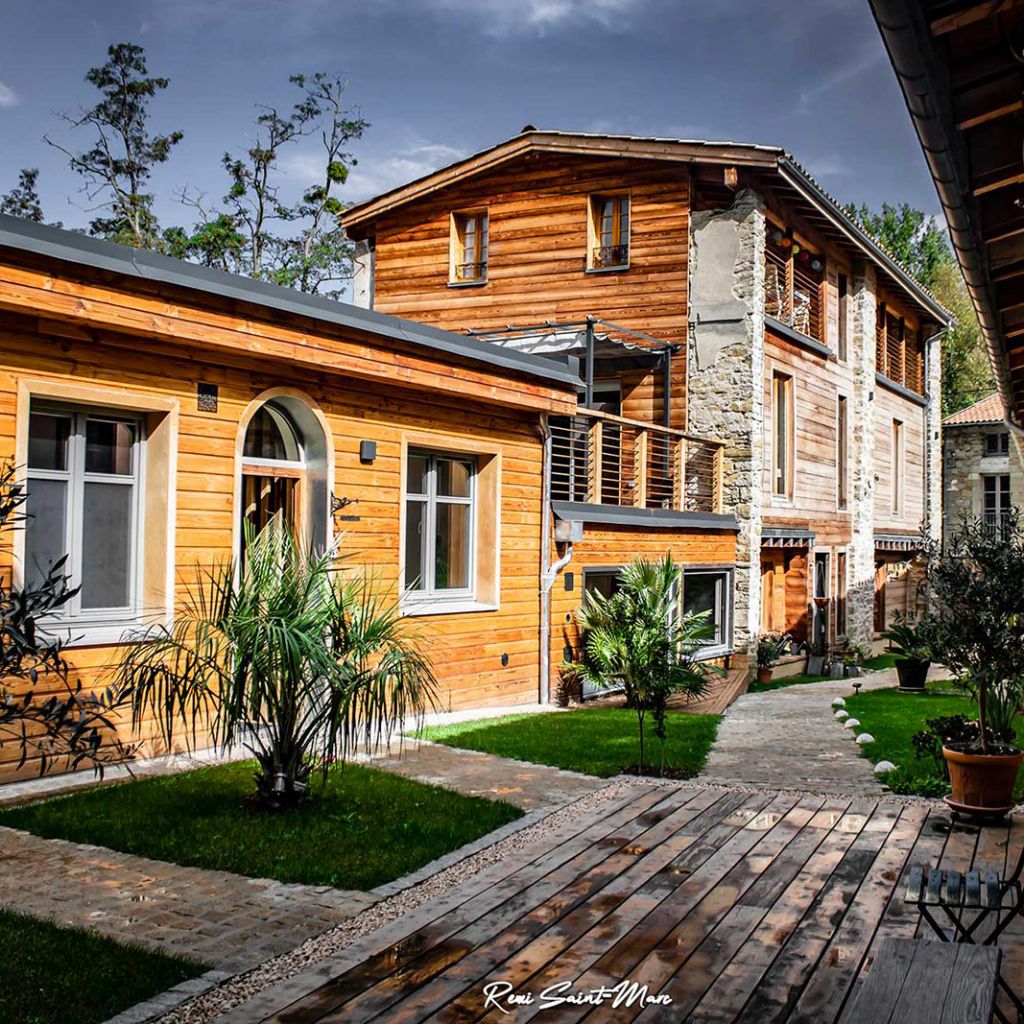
(225, 920)
(788, 739)
(529, 786)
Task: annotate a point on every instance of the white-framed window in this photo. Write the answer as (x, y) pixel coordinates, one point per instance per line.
(996, 500)
(710, 590)
(440, 510)
(470, 241)
(609, 232)
(84, 484)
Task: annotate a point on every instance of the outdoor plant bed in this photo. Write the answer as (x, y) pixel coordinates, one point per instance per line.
(593, 741)
(362, 828)
(770, 647)
(53, 975)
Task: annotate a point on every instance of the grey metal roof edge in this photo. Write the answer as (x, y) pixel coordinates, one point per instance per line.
(653, 518)
(798, 337)
(898, 389)
(83, 250)
(789, 166)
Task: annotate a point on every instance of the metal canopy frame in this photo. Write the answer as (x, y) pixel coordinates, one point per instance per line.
(650, 351)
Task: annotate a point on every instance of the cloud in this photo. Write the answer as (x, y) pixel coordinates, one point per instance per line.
(372, 176)
(501, 17)
(868, 58)
(8, 97)
(829, 166)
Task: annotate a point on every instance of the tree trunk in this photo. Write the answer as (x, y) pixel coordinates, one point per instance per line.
(640, 720)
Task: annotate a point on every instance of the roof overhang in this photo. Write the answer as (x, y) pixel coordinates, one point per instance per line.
(778, 168)
(963, 87)
(644, 518)
(74, 249)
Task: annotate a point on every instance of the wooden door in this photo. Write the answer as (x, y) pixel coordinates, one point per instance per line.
(265, 493)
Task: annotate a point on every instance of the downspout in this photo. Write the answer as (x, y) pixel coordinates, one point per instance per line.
(548, 574)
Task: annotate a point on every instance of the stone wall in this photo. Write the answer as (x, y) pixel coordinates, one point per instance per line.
(725, 373)
(965, 464)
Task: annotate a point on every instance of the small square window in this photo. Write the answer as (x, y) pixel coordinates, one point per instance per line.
(997, 444)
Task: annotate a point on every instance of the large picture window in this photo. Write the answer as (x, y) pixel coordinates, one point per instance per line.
(710, 590)
(439, 528)
(84, 481)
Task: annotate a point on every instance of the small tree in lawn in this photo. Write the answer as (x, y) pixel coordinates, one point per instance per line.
(285, 656)
(65, 726)
(637, 639)
(977, 585)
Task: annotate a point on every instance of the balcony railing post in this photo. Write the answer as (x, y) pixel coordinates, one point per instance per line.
(640, 468)
(679, 488)
(596, 454)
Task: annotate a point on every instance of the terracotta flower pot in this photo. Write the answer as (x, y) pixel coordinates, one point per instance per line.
(764, 675)
(982, 784)
(913, 673)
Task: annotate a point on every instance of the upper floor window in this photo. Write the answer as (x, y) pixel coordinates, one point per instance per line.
(782, 435)
(609, 232)
(793, 276)
(897, 467)
(469, 243)
(997, 444)
(996, 501)
(842, 452)
(898, 352)
(84, 470)
(843, 325)
(440, 495)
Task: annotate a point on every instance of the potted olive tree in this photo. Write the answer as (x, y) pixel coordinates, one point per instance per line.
(770, 647)
(975, 583)
(911, 643)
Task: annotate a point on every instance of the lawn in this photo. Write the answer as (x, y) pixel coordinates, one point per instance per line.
(363, 828)
(893, 718)
(594, 741)
(52, 975)
(783, 681)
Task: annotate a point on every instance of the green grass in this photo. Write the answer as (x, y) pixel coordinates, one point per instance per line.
(594, 741)
(893, 718)
(363, 828)
(51, 975)
(882, 661)
(783, 681)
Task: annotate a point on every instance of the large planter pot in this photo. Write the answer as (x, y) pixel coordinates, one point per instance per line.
(764, 675)
(982, 784)
(913, 673)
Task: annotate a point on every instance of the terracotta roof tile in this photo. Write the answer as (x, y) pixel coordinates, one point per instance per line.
(988, 410)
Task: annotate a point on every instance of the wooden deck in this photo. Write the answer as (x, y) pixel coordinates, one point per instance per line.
(740, 906)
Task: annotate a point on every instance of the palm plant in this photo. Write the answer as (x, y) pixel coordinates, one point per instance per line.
(637, 639)
(285, 656)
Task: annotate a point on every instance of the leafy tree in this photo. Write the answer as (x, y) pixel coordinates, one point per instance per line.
(300, 245)
(974, 581)
(117, 167)
(284, 656)
(917, 242)
(637, 639)
(67, 727)
(966, 369)
(23, 200)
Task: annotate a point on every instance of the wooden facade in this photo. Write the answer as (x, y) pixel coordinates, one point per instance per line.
(536, 189)
(97, 339)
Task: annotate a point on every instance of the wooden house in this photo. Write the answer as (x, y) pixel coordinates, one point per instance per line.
(710, 291)
(152, 406)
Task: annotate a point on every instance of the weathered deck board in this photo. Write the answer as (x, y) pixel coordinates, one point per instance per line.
(740, 906)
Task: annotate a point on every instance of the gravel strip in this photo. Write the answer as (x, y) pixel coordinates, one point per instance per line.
(211, 1004)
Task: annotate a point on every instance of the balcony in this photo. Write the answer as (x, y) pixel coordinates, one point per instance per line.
(601, 459)
(606, 257)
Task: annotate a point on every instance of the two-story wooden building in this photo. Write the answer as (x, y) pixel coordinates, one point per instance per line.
(709, 290)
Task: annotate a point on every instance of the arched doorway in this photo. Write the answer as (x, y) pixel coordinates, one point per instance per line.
(284, 469)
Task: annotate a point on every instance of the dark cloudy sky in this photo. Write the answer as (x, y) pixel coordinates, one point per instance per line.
(440, 79)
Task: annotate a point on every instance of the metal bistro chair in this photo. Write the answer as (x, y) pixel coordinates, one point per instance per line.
(958, 895)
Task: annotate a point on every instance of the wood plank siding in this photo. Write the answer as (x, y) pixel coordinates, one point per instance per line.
(126, 344)
(537, 265)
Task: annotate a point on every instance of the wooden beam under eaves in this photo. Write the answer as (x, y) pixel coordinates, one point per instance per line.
(969, 15)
